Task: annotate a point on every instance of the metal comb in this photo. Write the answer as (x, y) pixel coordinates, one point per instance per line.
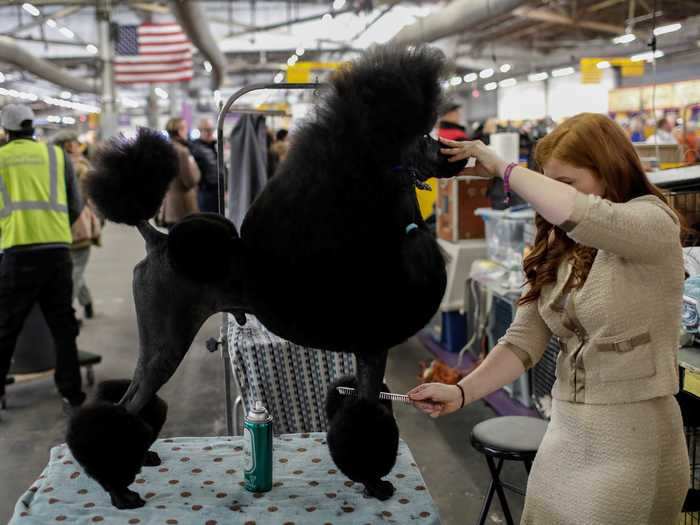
(399, 398)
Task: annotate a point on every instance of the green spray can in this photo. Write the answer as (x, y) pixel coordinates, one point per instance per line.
(257, 435)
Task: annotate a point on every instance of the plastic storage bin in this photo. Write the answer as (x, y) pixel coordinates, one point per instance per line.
(505, 234)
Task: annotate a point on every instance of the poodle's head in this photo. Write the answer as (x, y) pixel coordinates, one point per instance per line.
(425, 159)
(109, 443)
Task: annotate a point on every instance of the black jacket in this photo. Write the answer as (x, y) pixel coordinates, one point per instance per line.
(205, 156)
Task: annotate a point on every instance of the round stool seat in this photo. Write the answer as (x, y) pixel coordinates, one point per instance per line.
(510, 433)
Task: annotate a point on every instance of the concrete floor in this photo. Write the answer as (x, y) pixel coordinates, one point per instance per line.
(455, 474)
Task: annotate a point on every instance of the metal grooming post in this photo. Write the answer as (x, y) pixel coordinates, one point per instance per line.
(221, 185)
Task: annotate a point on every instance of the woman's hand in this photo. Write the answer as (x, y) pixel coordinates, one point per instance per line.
(488, 163)
(436, 399)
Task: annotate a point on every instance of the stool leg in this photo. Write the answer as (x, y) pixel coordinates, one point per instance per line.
(489, 495)
(499, 488)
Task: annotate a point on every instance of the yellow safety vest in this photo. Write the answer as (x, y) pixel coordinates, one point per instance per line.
(33, 200)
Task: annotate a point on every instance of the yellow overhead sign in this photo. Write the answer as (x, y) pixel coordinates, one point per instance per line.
(301, 72)
(592, 74)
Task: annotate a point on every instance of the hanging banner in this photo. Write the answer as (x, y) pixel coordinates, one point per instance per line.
(592, 74)
(303, 72)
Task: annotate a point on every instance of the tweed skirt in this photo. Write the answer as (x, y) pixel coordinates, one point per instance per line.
(610, 465)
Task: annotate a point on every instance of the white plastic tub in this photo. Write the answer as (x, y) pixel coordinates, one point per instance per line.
(505, 234)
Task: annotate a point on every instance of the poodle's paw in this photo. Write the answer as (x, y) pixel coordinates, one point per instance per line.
(126, 499)
(382, 490)
(151, 459)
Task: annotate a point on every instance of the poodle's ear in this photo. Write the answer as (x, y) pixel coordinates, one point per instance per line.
(202, 247)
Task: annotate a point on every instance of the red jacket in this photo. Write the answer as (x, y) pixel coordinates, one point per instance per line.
(450, 131)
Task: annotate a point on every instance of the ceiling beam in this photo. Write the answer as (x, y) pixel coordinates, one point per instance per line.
(545, 15)
(39, 20)
(602, 5)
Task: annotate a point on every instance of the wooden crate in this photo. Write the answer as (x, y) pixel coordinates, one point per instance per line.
(457, 199)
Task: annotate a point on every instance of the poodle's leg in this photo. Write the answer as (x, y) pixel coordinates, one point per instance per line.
(151, 459)
(123, 498)
(363, 436)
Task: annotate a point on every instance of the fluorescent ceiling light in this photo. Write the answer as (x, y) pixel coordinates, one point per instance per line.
(537, 77)
(667, 29)
(505, 68)
(92, 49)
(486, 73)
(646, 56)
(161, 93)
(300, 51)
(470, 77)
(292, 60)
(507, 82)
(456, 81)
(338, 4)
(68, 120)
(66, 94)
(279, 77)
(624, 39)
(327, 17)
(207, 66)
(51, 22)
(491, 86)
(563, 72)
(67, 32)
(2, 78)
(29, 8)
(603, 65)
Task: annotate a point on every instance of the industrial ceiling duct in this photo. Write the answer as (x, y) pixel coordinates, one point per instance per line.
(193, 21)
(454, 18)
(11, 53)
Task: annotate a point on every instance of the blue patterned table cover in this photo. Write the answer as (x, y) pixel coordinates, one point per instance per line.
(200, 482)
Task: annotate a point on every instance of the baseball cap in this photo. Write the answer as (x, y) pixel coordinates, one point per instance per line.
(64, 136)
(14, 114)
(448, 107)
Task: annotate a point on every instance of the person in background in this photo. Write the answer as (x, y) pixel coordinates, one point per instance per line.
(181, 199)
(87, 229)
(41, 200)
(663, 134)
(450, 124)
(204, 152)
(637, 130)
(281, 145)
(614, 451)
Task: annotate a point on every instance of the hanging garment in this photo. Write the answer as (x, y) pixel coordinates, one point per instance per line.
(248, 173)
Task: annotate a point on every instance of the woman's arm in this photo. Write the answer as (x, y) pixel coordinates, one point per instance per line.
(501, 367)
(552, 199)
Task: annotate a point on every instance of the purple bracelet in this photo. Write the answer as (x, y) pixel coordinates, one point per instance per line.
(506, 181)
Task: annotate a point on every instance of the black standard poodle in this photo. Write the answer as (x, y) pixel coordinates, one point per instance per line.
(95, 438)
(332, 254)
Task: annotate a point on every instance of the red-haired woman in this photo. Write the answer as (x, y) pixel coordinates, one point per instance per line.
(606, 278)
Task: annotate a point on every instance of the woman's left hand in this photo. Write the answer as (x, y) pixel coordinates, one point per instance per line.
(488, 163)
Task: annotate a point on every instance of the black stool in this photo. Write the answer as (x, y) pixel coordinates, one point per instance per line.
(514, 438)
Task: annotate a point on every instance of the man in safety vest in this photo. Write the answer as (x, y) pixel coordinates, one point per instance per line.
(39, 200)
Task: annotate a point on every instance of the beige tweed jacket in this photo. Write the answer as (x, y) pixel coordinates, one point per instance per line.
(619, 333)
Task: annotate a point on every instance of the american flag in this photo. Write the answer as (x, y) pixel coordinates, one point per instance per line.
(152, 53)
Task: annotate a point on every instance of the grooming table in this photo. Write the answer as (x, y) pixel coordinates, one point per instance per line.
(200, 482)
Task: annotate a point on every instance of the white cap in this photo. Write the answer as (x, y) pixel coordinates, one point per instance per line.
(14, 114)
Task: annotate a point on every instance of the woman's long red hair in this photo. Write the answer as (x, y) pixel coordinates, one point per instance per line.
(594, 142)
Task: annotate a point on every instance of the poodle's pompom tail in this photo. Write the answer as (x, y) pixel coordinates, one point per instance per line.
(389, 96)
(131, 176)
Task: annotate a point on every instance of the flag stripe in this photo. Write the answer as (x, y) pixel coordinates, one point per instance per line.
(175, 38)
(169, 58)
(144, 68)
(152, 50)
(157, 77)
(157, 29)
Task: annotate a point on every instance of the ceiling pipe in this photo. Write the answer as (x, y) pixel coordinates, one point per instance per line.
(11, 53)
(193, 21)
(453, 19)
